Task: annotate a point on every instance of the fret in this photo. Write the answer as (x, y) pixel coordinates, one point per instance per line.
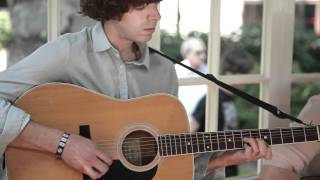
(178, 144)
(238, 143)
(318, 133)
(189, 143)
(255, 133)
(214, 141)
(160, 146)
(184, 148)
(234, 145)
(292, 134)
(195, 146)
(287, 136)
(245, 134)
(298, 134)
(173, 145)
(201, 142)
(265, 135)
(269, 136)
(281, 136)
(168, 145)
(311, 133)
(222, 140)
(164, 146)
(207, 142)
(229, 140)
(276, 137)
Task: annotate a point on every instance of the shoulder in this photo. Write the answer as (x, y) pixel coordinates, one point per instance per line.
(76, 39)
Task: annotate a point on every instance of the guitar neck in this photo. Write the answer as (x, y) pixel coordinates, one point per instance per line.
(190, 143)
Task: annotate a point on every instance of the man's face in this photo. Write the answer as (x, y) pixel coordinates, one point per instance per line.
(197, 56)
(138, 24)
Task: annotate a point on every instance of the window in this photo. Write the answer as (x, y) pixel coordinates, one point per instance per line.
(29, 32)
(306, 53)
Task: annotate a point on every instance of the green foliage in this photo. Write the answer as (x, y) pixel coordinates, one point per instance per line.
(248, 113)
(5, 28)
(301, 93)
(170, 45)
(249, 39)
(306, 51)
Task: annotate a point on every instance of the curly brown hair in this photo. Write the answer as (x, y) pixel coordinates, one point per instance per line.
(104, 10)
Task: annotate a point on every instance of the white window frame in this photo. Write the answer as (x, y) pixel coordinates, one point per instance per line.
(274, 80)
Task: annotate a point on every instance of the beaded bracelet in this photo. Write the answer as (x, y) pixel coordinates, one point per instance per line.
(62, 144)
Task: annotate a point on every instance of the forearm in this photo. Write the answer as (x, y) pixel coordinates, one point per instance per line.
(218, 162)
(38, 137)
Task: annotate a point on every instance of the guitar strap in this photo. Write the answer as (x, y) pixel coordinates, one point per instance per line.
(272, 109)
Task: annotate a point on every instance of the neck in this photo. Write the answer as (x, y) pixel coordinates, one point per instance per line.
(118, 41)
(190, 143)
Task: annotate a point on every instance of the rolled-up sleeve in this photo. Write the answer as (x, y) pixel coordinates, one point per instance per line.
(12, 121)
(47, 64)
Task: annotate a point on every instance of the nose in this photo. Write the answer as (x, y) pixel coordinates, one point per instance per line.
(154, 13)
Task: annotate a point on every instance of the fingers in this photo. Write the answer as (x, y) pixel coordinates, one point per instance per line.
(106, 159)
(83, 155)
(253, 146)
(100, 167)
(269, 154)
(256, 149)
(94, 174)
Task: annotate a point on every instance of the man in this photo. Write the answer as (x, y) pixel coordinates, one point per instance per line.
(111, 58)
(299, 160)
(193, 51)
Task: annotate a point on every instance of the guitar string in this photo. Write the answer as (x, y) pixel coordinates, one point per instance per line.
(187, 149)
(155, 145)
(284, 140)
(257, 135)
(206, 141)
(296, 132)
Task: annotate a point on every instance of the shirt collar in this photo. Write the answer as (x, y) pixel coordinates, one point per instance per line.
(102, 43)
(145, 58)
(99, 39)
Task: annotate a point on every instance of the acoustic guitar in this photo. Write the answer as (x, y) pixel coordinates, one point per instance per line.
(148, 137)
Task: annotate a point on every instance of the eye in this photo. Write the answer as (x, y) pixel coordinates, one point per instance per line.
(141, 7)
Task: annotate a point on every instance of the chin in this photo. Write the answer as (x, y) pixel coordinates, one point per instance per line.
(144, 39)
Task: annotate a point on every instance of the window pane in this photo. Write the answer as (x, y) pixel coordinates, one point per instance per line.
(193, 99)
(241, 24)
(300, 94)
(179, 20)
(71, 20)
(29, 32)
(236, 113)
(306, 52)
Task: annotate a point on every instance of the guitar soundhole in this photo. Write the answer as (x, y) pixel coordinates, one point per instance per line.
(139, 148)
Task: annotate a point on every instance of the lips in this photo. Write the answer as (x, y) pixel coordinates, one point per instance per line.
(150, 29)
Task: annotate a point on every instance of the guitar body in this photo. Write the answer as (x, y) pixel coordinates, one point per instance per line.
(109, 122)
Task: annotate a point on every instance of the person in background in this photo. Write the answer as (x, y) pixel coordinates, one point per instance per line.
(193, 51)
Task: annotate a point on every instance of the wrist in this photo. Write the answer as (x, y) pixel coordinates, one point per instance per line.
(217, 162)
(61, 145)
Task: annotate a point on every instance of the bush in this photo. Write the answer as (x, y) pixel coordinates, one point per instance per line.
(5, 28)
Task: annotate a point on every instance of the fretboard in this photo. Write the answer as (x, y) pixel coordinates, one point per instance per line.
(190, 143)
